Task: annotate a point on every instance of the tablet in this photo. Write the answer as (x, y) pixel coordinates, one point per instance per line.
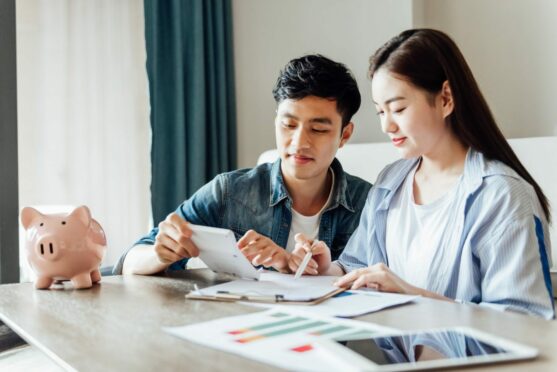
(218, 250)
(442, 348)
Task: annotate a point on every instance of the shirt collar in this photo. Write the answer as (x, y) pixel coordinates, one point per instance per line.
(476, 168)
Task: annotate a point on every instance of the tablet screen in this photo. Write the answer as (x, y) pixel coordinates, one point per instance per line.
(424, 346)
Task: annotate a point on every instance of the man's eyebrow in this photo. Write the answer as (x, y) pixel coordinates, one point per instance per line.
(391, 100)
(319, 120)
(289, 116)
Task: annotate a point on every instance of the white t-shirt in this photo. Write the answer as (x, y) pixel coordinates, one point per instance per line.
(420, 238)
(307, 225)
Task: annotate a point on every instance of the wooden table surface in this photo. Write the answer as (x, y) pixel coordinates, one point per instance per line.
(117, 325)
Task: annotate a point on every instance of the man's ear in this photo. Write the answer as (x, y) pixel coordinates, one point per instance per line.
(447, 101)
(346, 134)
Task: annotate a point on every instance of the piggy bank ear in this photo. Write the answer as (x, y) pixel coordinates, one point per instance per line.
(28, 214)
(81, 214)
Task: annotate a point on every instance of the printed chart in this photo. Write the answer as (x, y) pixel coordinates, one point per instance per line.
(282, 338)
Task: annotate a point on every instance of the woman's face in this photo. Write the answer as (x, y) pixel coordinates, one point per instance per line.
(412, 118)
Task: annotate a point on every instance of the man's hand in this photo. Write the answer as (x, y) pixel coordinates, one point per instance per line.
(320, 260)
(173, 241)
(261, 250)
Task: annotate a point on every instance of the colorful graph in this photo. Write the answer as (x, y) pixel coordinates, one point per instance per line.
(289, 324)
(285, 338)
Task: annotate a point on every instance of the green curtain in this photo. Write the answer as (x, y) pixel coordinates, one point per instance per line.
(191, 85)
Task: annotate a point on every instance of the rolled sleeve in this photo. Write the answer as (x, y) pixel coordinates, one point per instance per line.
(355, 254)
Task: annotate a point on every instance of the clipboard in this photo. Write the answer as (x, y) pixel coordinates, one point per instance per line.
(224, 296)
(272, 287)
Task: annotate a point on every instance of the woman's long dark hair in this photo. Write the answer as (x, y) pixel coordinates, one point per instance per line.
(427, 58)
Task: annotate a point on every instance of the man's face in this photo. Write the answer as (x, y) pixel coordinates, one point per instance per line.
(308, 133)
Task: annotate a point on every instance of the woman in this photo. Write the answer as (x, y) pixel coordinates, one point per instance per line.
(459, 217)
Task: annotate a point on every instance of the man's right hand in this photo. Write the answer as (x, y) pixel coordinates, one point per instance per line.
(173, 241)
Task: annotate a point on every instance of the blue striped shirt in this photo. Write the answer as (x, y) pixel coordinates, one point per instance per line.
(504, 253)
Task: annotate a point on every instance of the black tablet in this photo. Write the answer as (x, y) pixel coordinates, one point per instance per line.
(429, 349)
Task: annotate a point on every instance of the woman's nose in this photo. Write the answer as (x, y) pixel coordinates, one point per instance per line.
(388, 125)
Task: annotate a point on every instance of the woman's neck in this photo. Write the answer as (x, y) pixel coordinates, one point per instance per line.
(438, 171)
(448, 158)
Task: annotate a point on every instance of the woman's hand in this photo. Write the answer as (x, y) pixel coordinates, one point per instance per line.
(379, 277)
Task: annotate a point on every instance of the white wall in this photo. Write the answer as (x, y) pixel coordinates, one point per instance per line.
(268, 33)
(511, 47)
(83, 113)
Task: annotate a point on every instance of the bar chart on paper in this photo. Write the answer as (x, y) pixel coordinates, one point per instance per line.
(282, 338)
(284, 324)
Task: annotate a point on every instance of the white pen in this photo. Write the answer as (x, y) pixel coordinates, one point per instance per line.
(304, 264)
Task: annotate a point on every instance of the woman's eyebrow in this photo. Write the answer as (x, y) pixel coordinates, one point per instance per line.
(391, 100)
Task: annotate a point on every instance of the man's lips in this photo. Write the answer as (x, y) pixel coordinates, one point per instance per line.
(300, 159)
(398, 141)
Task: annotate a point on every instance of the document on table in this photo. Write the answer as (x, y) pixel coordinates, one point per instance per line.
(349, 304)
(284, 338)
(275, 285)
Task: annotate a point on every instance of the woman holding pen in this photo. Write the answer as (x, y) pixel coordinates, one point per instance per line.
(458, 217)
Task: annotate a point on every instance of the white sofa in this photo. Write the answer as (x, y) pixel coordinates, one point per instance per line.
(538, 154)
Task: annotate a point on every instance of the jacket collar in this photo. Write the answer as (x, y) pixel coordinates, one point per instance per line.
(340, 193)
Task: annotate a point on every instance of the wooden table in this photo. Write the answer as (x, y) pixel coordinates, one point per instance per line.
(117, 325)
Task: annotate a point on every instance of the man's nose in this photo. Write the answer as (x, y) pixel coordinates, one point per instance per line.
(300, 138)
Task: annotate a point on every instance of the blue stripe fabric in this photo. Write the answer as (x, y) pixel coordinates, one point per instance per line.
(504, 254)
(543, 257)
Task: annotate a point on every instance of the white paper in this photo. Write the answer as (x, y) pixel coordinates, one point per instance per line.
(284, 338)
(348, 304)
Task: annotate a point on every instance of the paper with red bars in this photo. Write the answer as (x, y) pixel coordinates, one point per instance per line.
(283, 338)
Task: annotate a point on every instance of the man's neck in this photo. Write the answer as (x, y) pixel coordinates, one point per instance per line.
(309, 196)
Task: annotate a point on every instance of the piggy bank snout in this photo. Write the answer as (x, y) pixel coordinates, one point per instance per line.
(48, 248)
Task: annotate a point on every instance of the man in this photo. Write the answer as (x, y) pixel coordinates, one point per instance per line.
(305, 191)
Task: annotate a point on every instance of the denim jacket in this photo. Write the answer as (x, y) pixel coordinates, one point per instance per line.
(257, 198)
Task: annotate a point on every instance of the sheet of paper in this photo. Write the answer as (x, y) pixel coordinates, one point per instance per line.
(306, 288)
(284, 338)
(348, 304)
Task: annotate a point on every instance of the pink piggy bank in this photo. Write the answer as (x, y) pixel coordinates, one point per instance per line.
(64, 246)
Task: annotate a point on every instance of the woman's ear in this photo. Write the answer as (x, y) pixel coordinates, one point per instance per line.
(447, 101)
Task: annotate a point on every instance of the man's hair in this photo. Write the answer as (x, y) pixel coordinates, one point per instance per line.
(315, 75)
